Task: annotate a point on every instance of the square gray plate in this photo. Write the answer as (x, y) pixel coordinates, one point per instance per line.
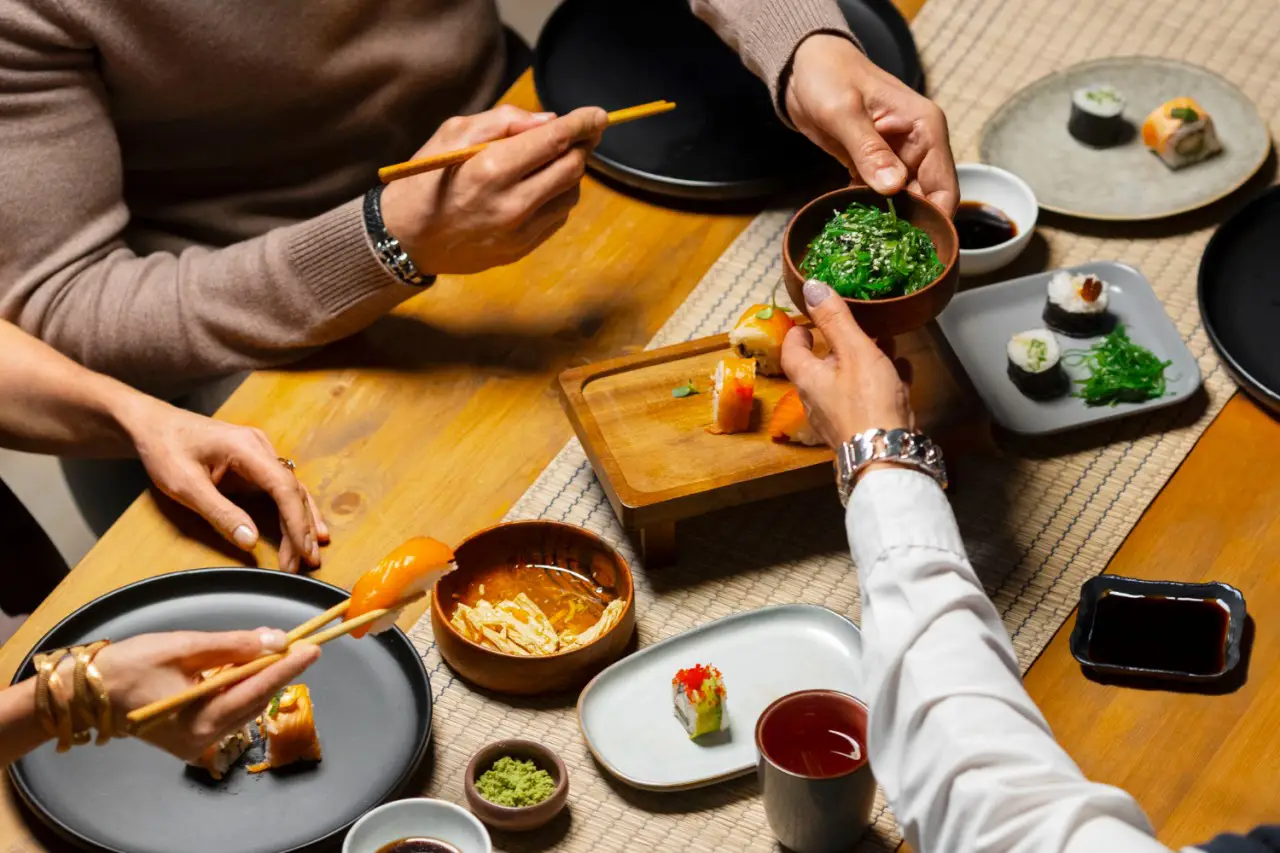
(978, 324)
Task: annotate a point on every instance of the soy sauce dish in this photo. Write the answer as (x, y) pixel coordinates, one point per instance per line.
(996, 217)
(1159, 630)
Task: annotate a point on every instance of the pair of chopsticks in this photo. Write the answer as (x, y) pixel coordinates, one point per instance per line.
(140, 717)
(387, 174)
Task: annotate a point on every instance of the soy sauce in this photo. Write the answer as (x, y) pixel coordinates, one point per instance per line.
(1186, 635)
(981, 225)
(419, 845)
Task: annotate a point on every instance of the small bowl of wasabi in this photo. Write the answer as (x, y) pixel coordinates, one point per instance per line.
(516, 785)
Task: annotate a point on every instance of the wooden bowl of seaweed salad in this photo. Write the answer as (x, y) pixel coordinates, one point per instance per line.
(893, 259)
(533, 607)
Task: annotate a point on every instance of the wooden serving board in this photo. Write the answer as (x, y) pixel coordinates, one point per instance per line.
(657, 462)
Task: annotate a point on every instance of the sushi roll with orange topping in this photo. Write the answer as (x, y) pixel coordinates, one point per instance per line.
(759, 335)
(402, 574)
(220, 756)
(790, 423)
(699, 699)
(289, 727)
(733, 396)
(1180, 133)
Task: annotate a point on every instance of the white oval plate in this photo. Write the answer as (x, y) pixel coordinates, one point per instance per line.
(626, 715)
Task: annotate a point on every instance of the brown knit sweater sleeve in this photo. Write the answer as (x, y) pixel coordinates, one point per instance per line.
(766, 33)
(160, 321)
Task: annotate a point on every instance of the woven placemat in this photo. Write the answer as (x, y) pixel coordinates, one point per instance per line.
(1037, 524)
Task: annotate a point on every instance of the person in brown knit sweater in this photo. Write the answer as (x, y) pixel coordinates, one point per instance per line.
(184, 182)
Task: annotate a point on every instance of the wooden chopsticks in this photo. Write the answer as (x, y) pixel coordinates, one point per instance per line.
(140, 717)
(387, 174)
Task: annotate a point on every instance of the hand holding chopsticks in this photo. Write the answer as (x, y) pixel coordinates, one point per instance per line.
(387, 174)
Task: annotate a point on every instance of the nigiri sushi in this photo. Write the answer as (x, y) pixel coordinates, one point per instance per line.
(789, 422)
(1180, 133)
(403, 573)
(699, 699)
(218, 757)
(732, 396)
(759, 334)
(289, 727)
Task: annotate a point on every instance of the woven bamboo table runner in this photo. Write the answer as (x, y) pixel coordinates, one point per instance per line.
(1038, 521)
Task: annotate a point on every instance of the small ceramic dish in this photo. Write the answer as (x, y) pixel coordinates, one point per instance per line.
(1160, 630)
(879, 318)
(527, 817)
(418, 818)
(549, 546)
(1009, 194)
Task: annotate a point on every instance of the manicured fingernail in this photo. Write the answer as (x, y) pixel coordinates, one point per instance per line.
(887, 178)
(544, 116)
(815, 292)
(244, 536)
(273, 641)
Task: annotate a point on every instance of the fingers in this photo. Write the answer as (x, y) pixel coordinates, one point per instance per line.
(497, 123)
(926, 151)
(509, 160)
(317, 518)
(242, 702)
(195, 490)
(560, 176)
(831, 315)
(203, 650)
(264, 470)
(872, 157)
(797, 353)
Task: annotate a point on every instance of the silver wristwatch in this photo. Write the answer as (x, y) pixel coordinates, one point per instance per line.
(899, 446)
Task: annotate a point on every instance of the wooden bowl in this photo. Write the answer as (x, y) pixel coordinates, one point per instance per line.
(879, 318)
(518, 543)
(526, 817)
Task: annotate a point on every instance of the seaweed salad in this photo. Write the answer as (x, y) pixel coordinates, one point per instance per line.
(1120, 371)
(867, 253)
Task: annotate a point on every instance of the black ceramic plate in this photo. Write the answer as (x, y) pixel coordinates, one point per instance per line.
(1239, 292)
(373, 714)
(724, 140)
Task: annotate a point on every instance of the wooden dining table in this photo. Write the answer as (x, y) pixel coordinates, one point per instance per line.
(441, 415)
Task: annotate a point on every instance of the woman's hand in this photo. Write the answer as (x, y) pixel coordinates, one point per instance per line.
(143, 669)
(501, 204)
(881, 130)
(857, 386)
(188, 456)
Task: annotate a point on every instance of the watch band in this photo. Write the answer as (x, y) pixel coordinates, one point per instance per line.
(386, 247)
(899, 446)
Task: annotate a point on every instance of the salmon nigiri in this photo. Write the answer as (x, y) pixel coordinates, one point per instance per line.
(289, 727)
(759, 335)
(789, 422)
(732, 396)
(403, 573)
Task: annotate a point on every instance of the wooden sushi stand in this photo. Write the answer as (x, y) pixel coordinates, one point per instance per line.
(476, 430)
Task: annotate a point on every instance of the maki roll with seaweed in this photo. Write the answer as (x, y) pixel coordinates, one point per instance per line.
(1035, 364)
(1077, 305)
(1097, 116)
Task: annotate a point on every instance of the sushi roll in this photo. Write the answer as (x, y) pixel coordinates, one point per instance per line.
(790, 423)
(1180, 133)
(759, 335)
(402, 574)
(1097, 116)
(289, 727)
(1035, 364)
(733, 396)
(699, 699)
(1077, 305)
(221, 756)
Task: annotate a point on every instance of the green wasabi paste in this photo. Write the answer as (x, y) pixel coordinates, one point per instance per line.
(515, 784)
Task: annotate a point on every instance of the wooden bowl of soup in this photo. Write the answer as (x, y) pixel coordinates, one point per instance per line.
(533, 607)
(886, 316)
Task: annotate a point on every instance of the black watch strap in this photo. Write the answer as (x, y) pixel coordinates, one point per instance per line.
(386, 247)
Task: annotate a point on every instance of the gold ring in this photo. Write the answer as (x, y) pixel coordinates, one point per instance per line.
(287, 463)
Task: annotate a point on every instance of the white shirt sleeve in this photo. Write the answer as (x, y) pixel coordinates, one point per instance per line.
(967, 760)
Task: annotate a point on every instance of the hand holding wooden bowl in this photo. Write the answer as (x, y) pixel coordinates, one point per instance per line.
(879, 318)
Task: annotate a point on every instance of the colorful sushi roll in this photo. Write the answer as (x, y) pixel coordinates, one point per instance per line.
(1035, 364)
(1097, 116)
(402, 574)
(759, 335)
(289, 727)
(699, 699)
(733, 396)
(1180, 133)
(790, 423)
(221, 756)
(1077, 305)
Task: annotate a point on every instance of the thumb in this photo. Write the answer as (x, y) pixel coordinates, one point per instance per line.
(797, 353)
(201, 496)
(832, 316)
(872, 157)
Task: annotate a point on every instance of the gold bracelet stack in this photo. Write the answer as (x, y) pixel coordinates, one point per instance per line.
(72, 722)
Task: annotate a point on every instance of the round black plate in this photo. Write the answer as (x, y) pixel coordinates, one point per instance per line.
(1239, 297)
(724, 140)
(373, 714)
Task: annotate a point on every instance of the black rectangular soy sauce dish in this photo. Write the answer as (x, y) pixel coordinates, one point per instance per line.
(1095, 588)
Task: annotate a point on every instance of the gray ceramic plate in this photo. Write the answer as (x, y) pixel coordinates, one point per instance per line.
(978, 324)
(1028, 136)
